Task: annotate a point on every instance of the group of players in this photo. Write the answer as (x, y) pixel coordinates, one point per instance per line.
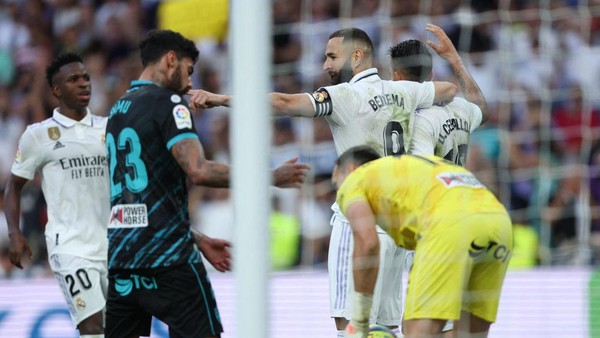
(146, 262)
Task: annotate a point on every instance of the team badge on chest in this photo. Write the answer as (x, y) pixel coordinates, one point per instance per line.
(54, 133)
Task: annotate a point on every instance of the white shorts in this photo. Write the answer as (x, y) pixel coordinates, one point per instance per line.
(84, 284)
(387, 296)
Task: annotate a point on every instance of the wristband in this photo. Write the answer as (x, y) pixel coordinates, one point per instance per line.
(361, 307)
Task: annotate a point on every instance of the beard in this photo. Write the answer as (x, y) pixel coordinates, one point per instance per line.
(345, 74)
(175, 84)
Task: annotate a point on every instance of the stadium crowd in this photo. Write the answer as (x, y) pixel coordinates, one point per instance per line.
(539, 68)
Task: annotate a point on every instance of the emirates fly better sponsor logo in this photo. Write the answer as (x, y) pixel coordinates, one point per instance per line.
(128, 216)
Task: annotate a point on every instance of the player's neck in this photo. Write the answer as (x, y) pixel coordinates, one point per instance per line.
(155, 75)
(73, 114)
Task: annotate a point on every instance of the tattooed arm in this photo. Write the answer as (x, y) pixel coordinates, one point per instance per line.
(467, 84)
(190, 156)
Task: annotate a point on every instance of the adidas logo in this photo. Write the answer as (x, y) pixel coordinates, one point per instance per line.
(58, 145)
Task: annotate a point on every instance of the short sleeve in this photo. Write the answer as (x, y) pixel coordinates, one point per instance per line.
(472, 111)
(28, 157)
(174, 119)
(351, 191)
(421, 94)
(337, 103)
(424, 135)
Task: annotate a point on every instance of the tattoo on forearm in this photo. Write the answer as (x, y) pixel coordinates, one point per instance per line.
(190, 156)
(468, 86)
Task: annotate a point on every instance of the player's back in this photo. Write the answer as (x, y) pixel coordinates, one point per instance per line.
(370, 111)
(413, 192)
(149, 225)
(445, 130)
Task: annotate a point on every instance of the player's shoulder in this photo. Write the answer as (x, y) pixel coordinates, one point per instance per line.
(459, 107)
(99, 121)
(39, 127)
(152, 95)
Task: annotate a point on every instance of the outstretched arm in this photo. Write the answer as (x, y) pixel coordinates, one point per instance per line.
(12, 207)
(467, 84)
(282, 104)
(189, 154)
(293, 105)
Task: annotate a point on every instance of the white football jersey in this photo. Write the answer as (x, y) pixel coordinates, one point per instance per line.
(370, 111)
(444, 131)
(71, 158)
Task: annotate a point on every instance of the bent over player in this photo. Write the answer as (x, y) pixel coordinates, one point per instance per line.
(461, 234)
(69, 153)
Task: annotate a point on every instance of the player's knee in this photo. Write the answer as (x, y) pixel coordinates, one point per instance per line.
(91, 326)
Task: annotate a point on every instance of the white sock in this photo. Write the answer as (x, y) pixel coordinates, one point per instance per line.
(100, 335)
(397, 332)
(340, 334)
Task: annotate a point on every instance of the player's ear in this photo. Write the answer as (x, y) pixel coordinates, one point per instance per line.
(397, 75)
(171, 58)
(55, 90)
(357, 56)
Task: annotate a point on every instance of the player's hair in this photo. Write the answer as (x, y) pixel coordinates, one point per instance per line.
(355, 35)
(63, 59)
(358, 155)
(159, 42)
(413, 59)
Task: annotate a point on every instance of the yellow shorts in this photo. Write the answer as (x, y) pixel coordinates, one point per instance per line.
(460, 267)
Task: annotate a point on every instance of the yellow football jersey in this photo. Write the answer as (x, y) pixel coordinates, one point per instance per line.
(411, 193)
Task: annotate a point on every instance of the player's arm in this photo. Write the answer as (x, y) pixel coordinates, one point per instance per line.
(12, 209)
(365, 264)
(294, 105)
(444, 91)
(282, 104)
(189, 154)
(467, 84)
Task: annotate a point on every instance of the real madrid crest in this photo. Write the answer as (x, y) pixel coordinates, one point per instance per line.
(54, 133)
(80, 303)
(320, 96)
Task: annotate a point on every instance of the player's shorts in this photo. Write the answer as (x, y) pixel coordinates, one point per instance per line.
(410, 254)
(83, 283)
(387, 296)
(460, 266)
(180, 296)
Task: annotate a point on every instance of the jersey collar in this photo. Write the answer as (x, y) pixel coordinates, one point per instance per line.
(364, 74)
(68, 123)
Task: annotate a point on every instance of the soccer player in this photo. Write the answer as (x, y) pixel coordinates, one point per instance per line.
(441, 130)
(69, 153)
(153, 149)
(360, 108)
(461, 234)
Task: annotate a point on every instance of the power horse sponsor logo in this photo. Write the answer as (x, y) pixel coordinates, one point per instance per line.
(128, 216)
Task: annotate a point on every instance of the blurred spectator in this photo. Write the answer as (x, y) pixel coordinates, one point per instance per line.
(284, 239)
(11, 127)
(572, 121)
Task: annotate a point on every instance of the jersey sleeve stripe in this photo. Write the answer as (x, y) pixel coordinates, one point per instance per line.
(180, 137)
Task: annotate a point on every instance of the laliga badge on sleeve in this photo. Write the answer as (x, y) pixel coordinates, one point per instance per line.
(182, 116)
